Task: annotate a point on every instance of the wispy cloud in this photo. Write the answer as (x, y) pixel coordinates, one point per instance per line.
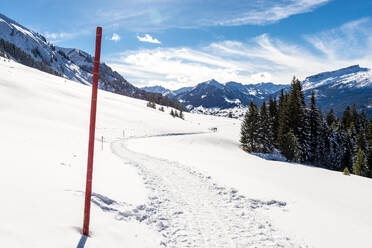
(343, 42)
(148, 15)
(148, 38)
(263, 58)
(115, 37)
(272, 12)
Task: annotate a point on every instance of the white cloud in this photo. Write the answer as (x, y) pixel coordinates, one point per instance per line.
(261, 59)
(145, 15)
(115, 37)
(57, 37)
(148, 38)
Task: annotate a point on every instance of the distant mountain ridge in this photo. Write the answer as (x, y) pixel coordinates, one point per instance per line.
(334, 89)
(32, 49)
(339, 88)
(212, 97)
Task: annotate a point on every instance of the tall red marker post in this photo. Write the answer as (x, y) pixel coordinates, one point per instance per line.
(93, 108)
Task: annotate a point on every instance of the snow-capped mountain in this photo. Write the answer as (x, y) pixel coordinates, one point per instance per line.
(339, 88)
(349, 75)
(156, 89)
(182, 90)
(334, 89)
(32, 49)
(212, 97)
(212, 94)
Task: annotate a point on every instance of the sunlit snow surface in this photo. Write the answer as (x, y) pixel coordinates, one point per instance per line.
(159, 181)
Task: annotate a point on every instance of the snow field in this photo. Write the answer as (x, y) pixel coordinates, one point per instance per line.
(152, 189)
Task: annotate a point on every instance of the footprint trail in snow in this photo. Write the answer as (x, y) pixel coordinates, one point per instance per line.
(190, 210)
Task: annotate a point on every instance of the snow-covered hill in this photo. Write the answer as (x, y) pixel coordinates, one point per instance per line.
(158, 181)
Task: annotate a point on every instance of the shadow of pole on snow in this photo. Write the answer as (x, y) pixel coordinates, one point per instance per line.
(82, 241)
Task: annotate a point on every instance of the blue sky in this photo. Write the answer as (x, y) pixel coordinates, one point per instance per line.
(177, 43)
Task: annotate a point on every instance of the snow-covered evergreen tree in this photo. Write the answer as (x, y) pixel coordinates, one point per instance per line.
(298, 121)
(315, 123)
(265, 130)
(274, 116)
(249, 129)
(360, 165)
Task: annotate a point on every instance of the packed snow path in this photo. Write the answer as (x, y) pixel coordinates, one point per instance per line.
(190, 210)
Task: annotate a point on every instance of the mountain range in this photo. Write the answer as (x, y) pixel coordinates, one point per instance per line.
(333, 89)
(32, 49)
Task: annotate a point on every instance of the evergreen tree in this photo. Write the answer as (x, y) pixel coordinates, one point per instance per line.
(331, 118)
(352, 135)
(249, 129)
(347, 158)
(369, 155)
(172, 113)
(346, 171)
(361, 141)
(363, 121)
(283, 121)
(320, 156)
(176, 113)
(265, 130)
(181, 115)
(292, 148)
(355, 118)
(273, 112)
(297, 116)
(334, 151)
(346, 118)
(369, 163)
(360, 165)
(315, 119)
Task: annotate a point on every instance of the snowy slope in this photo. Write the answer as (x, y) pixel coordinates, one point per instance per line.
(194, 189)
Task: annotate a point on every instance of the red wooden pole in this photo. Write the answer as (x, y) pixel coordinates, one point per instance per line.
(88, 189)
(102, 143)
